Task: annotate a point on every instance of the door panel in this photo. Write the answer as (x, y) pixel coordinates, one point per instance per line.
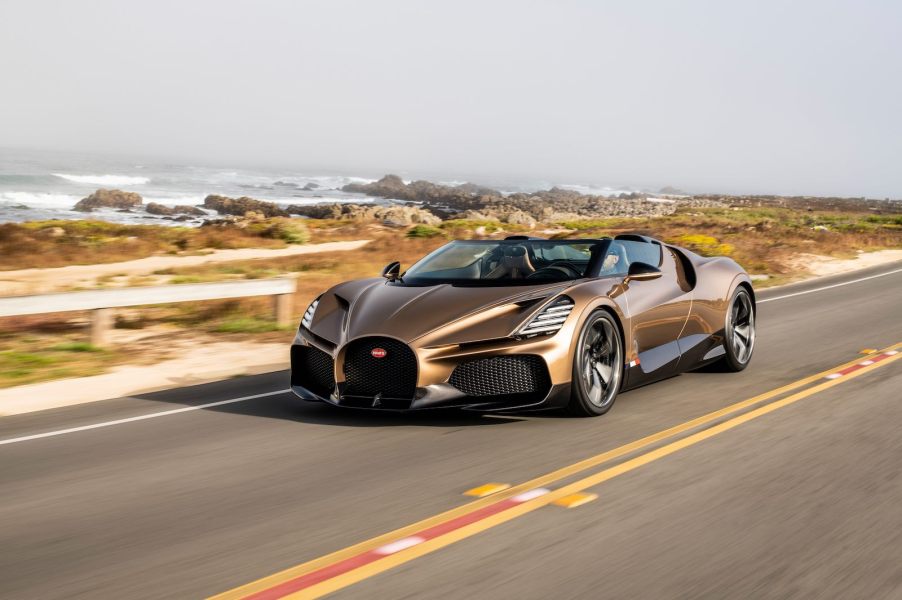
(658, 311)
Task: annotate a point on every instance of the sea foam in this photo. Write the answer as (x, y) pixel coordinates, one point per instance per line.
(39, 199)
(104, 179)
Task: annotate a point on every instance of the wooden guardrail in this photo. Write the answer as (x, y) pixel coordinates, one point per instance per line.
(102, 302)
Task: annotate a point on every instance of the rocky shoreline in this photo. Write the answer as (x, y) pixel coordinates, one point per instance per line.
(422, 202)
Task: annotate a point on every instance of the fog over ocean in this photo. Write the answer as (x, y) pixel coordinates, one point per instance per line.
(37, 185)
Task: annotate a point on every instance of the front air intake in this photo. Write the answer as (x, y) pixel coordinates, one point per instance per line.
(517, 375)
(311, 368)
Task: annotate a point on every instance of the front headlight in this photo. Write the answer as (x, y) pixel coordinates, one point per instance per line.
(307, 319)
(549, 320)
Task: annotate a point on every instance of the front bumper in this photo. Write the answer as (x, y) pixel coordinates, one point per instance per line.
(433, 390)
(441, 395)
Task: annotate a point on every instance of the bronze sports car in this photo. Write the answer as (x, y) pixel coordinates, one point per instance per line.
(524, 323)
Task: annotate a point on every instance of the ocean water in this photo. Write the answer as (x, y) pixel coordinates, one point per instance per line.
(47, 185)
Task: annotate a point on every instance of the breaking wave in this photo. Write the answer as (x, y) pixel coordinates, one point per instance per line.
(104, 179)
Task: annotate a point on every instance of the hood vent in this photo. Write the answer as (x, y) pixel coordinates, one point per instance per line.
(549, 320)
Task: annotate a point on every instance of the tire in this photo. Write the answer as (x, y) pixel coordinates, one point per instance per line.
(597, 367)
(739, 332)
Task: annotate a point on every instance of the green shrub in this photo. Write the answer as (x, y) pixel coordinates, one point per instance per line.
(247, 325)
(290, 231)
(76, 347)
(586, 224)
(294, 232)
(424, 231)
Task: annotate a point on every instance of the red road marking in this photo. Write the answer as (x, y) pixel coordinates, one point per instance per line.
(364, 558)
(865, 363)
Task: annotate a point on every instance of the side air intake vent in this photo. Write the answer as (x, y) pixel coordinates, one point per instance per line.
(549, 320)
(509, 375)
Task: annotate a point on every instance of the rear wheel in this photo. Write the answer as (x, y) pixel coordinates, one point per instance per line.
(597, 367)
(739, 332)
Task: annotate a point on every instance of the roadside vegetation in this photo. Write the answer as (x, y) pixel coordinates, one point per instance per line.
(769, 241)
(41, 356)
(766, 241)
(40, 244)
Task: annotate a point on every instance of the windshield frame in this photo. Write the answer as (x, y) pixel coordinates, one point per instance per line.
(599, 247)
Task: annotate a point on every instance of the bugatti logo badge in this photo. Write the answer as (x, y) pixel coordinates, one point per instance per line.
(378, 353)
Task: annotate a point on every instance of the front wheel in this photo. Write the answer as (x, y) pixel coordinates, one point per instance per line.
(739, 332)
(597, 367)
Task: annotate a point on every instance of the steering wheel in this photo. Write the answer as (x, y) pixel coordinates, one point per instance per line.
(567, 265)
(561, 266)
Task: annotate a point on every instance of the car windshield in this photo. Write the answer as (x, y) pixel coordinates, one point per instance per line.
(504, 262)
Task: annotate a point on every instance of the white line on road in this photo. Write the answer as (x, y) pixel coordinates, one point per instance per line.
(164, 413)
(828, 287)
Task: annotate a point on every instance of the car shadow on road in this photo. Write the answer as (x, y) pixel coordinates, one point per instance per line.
(287, 406)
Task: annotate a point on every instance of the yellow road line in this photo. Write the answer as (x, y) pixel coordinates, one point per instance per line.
(429, 546)
(541, 481)
(574, 500)
(487, 490)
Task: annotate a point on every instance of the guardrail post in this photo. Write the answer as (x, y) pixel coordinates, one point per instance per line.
(282, 305)
(101, 323)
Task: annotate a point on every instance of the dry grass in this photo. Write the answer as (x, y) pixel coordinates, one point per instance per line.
(42, 244)
(39, 356)
(763, 240)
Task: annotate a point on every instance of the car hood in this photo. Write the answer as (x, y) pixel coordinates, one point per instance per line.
(431, 315)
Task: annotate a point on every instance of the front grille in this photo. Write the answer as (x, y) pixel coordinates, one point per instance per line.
(514, 375)
(393, 376)
(311, 368)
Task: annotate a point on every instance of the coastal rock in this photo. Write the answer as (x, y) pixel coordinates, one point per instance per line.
(669, 189)
(475, 215)
(109, 199)
(476, 190)
(518, 217)
(52, 232)
(393, 187)
(387, 187)
(392, 215)
(401, 216)
(319, 211)
(474, 202)
(185, 209)
(310, 187)
(240, 206)
(155, 208)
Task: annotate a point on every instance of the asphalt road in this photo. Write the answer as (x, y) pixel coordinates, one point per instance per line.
(802, 501)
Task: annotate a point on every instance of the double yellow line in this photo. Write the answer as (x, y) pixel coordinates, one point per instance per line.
(715, 428)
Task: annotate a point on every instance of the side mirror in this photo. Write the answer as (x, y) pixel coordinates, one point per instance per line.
(640, 271)
(392, 271)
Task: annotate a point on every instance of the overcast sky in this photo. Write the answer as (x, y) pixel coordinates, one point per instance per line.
(763, 96)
